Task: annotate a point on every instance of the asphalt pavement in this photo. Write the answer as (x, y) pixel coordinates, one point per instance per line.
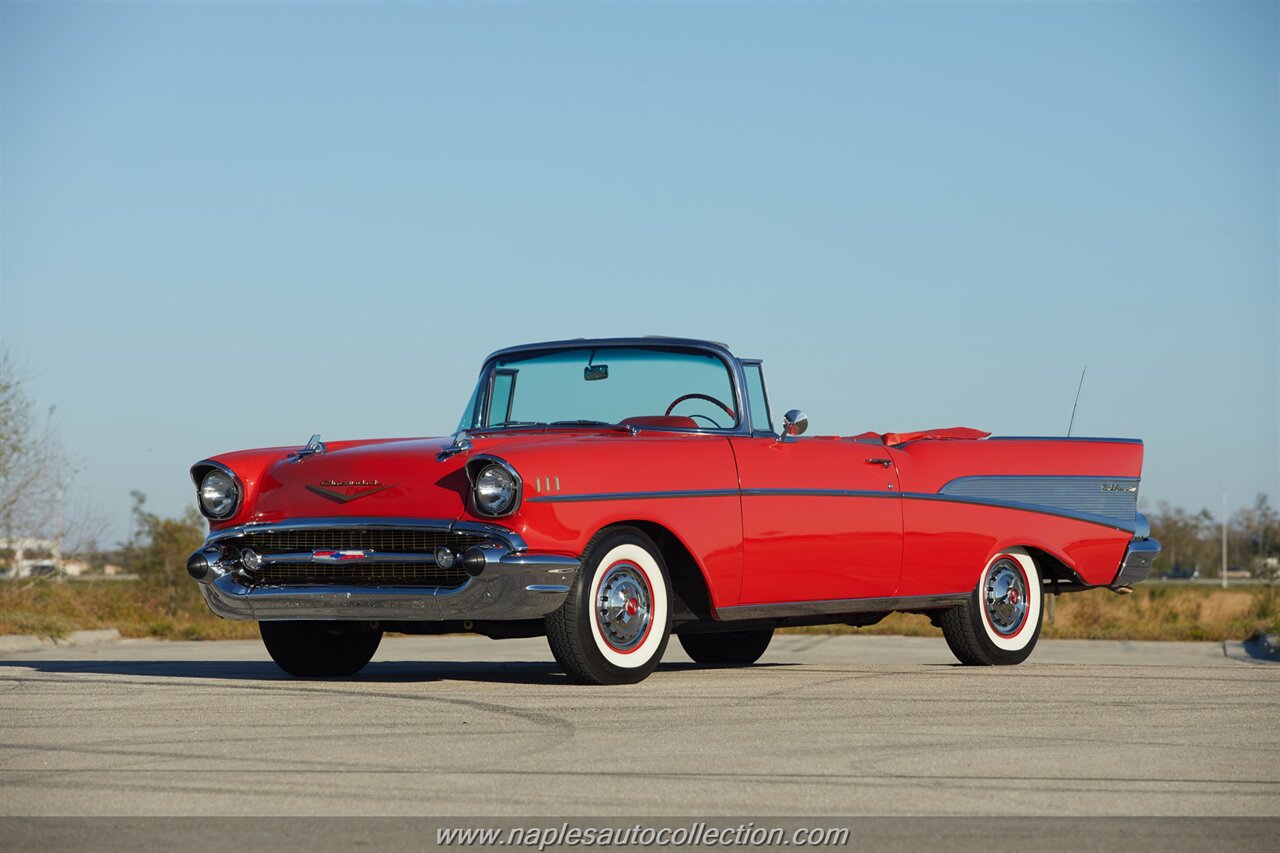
(822, 726)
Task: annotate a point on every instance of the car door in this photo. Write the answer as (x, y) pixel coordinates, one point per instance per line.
(821, 519)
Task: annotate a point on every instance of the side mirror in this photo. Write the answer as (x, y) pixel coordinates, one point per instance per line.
(794, 423)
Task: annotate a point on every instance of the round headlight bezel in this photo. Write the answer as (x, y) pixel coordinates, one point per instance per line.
(495, 488)
(228, 488)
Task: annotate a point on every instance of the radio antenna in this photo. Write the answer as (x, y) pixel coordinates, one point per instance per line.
(1074, 405)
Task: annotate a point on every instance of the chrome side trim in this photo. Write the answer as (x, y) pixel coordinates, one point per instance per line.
(209, 463)
(1101, 520)
(636, 496)
(850, 606)
(1100, 497)
(1136, 565)
(509, 538)
(714, 493)
(513, 586)
(819, 493)
(1104, 521)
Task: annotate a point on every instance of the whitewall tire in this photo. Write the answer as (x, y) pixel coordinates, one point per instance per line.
(614, 626)
(1000, 623)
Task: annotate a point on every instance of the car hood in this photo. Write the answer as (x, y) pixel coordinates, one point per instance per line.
(391, 478)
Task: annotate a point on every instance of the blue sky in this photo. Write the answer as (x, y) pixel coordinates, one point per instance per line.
(233, 225)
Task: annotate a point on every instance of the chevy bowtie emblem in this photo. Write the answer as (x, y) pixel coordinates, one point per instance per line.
(364, 488)
(336, 556)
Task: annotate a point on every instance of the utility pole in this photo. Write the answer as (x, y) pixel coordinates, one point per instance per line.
(1224, 538)
(57, 531)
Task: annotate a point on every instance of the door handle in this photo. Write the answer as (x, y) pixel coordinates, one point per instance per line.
(875, 461)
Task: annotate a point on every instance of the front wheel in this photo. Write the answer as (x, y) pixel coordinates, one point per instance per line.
(320, 649)
(615, 623)
(1000, 622)
(727, 647)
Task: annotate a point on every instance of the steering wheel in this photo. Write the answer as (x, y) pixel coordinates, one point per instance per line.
(678, 400)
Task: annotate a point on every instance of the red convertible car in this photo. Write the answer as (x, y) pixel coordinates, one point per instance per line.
(610, 493)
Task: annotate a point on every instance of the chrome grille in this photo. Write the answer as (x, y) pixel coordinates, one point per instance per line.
(363, 573)
(340, 538)
(366, 572)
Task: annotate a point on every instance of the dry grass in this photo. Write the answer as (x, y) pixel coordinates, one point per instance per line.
(54, 608)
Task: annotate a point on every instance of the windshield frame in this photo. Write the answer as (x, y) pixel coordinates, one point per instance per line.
(484, 387)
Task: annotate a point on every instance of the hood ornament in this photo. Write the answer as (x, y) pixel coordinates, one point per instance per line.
(327, 489)
(314, 447)
(461, 444)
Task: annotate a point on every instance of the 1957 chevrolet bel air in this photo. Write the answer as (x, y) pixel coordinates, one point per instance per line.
(610, 493)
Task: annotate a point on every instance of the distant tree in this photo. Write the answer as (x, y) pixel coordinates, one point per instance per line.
(1186, 539)
(35, 468)
(1254, 535)
(158, 552)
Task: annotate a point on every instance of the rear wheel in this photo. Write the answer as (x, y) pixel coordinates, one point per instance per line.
(731, 647)
(1000, 622)
(320, 649)
(615, 623)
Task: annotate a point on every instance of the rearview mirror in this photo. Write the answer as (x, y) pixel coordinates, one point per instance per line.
(794, 423)
(594, 372)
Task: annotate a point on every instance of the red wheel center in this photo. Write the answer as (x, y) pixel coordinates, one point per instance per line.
(1013, 596)
(632, 606)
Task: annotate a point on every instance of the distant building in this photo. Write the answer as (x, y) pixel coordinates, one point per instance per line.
(30, 557)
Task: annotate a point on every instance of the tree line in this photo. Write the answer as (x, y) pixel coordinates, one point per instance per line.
(1194, 540)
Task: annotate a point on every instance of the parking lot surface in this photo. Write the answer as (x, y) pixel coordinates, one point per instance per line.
(823, 725)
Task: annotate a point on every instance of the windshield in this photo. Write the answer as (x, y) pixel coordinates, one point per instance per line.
(605, 385)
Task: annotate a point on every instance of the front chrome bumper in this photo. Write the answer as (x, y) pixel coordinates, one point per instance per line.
(511, 584)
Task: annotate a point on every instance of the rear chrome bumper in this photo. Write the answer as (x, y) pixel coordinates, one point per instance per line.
(1137, 561)
(511, 584)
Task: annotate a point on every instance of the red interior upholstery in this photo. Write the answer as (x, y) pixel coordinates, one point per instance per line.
(661, 421)
(948, 434)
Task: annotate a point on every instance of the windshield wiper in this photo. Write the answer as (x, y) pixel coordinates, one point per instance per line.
(621, 427)
(536, 424)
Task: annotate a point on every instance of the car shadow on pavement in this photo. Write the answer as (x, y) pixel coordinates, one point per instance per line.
(391, 672)
(524, 672)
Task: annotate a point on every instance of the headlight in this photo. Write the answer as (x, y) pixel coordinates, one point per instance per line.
(495, 490)
(219, 494)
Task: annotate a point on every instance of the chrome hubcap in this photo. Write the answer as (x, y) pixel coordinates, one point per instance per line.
(623, 609)
(1005, 597)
